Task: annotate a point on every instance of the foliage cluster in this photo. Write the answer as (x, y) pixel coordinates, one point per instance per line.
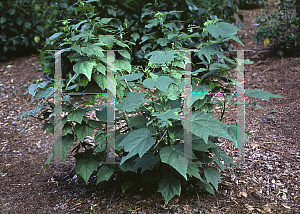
(25, 24)
(281, 29)
(151, 143)
(130, 18)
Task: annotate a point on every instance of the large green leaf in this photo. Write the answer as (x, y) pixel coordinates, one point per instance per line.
(175, 158)
(212, 176)
(169, 187)
(199, 92)
(205, 124)
(107, 39)
(86, 166)
(161, 57)
(101, 68)
(101, 80)
(77, 115)
(222, 29)
(137, 120)
(264, 95)
(104, 173)
(200, 145)
(206, 186)
(193, 170)
(130, 77)
(207, 51)
(132, 102)
(84, 67)
(169, 114)
(146, 161)
(61, 147)
(46, 93)
(137, 142)
(92, 49)
(122, 65)
(162, 83)
(83, 130)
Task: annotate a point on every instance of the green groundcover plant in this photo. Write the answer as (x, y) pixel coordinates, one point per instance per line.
(281, 29)
(151, 143)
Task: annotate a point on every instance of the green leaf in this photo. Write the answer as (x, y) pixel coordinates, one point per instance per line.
(207, 51)
(122, 65)
(162, 83)
(101, 80)
(137, 120)
(169, 114)
(2, 20)
(264, 95)
(92, 49)
(85, 167)
(222, 29)
(77, 115)
(125, 54)
(83, 130)
(36, 39)
(104, 174)
(162, 41)
(27, 25)
(175, 158)
(146, 161)
(32, 88)
(172, 92)
(137, 142)
(169, 187)
(199, 92)
(67, 129)
(46, 93)
(205, 124)
(81, 35)
(102, 114)
(161, 57)
(85, 67)
(101, 68)
(200, 145)
(132, 102)
(54, 36)
(135, 36)
(48, 161)
(130, 77)
(105, 20)
(107, 39)
(153, 22)
(61, 147)
(194, 171)
(212, 176)
(206, 186)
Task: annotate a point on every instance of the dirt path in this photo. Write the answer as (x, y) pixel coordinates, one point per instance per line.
(268, 181)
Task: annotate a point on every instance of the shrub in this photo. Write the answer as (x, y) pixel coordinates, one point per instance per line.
(281, 29)
(151, 143)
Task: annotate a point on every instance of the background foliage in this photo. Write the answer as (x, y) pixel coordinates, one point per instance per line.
(281, 29)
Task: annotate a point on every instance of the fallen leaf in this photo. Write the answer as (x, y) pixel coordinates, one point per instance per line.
(249, 207)
(244, 194)
(267, 208)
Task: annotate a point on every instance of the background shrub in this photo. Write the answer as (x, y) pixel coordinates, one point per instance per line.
(281, 28)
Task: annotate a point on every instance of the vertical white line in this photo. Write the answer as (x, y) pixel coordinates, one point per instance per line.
(57, 112)
(240, 107)
(187, 110)
(111, 93)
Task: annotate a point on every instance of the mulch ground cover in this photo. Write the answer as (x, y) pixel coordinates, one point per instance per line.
(268, 180)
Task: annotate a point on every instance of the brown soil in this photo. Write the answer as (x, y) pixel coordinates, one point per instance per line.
(267, 182)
